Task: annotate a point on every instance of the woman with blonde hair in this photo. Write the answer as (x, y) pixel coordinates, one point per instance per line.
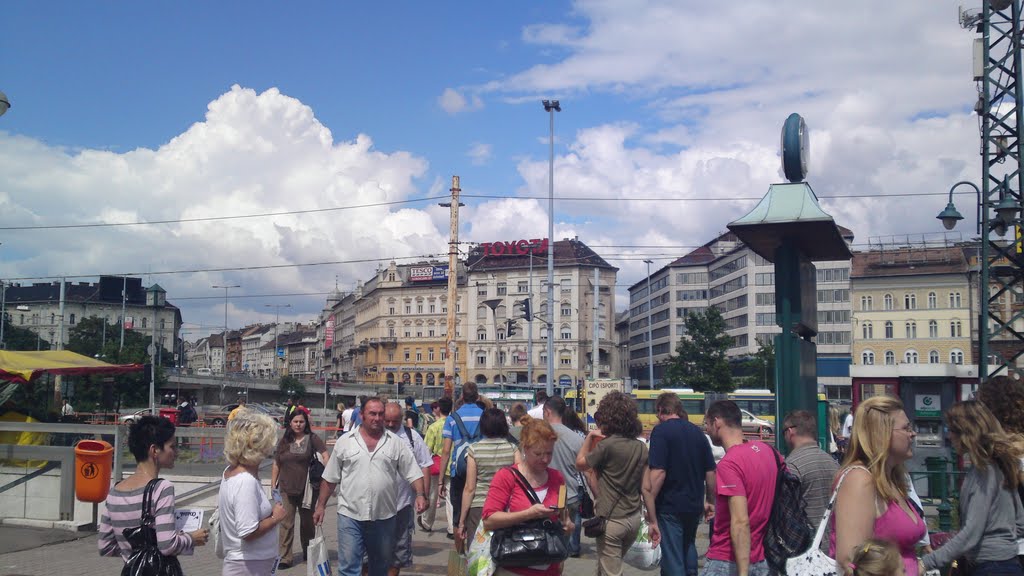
(875, 558)
(248, 521)
(990, 509)
(873, 472)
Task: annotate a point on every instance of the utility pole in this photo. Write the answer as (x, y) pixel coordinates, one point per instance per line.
(551, 106)
(529, 326)
(124, 301)
(224, 340)
(595, 352)
(453, 294)
(58, 382)
(277, 321)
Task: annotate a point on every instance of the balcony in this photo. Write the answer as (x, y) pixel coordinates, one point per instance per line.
(389, 342)
(374, 342)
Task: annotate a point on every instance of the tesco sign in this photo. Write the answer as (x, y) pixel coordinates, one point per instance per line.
(516, 247)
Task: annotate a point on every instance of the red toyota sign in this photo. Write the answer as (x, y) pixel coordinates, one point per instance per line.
(516, 247)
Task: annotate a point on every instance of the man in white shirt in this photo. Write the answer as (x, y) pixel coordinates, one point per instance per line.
(373, 464)
(346, 416)
(67, 409)
(406, 518)
(538, 409)
(847, 426)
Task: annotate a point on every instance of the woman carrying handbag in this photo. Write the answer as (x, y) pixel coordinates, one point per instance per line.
(290, 474)
(509, 505)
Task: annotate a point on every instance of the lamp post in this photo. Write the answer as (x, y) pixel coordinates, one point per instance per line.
(224, 343)
(4, 105)
(650, 320)
(551, 106)
(277, 320)
(155, 298)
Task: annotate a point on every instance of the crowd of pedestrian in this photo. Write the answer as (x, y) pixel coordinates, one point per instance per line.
(395, 465)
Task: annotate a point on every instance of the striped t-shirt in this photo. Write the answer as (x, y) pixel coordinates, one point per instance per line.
(124, 510)
(490, 455)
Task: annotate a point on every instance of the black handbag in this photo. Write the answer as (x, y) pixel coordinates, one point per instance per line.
(146, 559)
(533, 543)
(316, 467)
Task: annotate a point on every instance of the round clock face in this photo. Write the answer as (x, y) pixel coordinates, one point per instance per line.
(795, 148)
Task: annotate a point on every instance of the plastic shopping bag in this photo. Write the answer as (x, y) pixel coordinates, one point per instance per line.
(317, 563)
(479, 561)
(642, 554)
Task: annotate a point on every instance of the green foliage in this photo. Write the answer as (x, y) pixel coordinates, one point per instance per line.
(22, 339)
(293, 384)
(700, 362)
(757, 371)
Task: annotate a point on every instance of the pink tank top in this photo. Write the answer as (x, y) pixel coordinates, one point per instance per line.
(894, 525)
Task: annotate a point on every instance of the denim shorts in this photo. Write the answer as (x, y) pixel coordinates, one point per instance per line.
(723, 568)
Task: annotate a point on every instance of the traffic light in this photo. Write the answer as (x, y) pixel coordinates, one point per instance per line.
(521, 309)
(327, 386)
(510, 328)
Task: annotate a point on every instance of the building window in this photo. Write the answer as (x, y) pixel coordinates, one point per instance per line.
(910, 357)
(481, 359)
(163, 322)
(430, 333)
(868, 330)
(391, 356)
(408, 308)
(419, 308)
(391, 332)
(143, 321)
(867, 358)
(502, 289)
(890, 358)
(933, 301)
(888, 329)
(954, 299)
(933, 357)
(566, 310)
(865, 303)
(933, 329)
(481, 313)
(565, 361)
(408, 333)
(72, 320)
(566, 333)
(543, 332)
(419, 333)
(911, 329)
(501, 334)
(407, 354)
(430, 354)
(481, 290)
(433, 308)
(956, 357)
(481, 335)
(888, 301)
(391, 310)
(954, 329)
(419, 355)
(523, 287)
(910, 301)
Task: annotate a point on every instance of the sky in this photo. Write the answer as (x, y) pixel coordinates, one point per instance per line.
(212, 124)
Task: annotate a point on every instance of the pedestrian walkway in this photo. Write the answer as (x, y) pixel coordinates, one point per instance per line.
(80, 557)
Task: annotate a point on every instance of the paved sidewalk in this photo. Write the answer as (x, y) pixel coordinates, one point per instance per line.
(80, 557)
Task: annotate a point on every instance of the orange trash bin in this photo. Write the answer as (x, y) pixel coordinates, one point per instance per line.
(171, 414)
(94, 460)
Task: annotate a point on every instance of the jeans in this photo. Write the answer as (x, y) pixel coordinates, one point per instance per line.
(1000, 568)
(574, 538)
(678, 544)
(723, 568)
(375, 537)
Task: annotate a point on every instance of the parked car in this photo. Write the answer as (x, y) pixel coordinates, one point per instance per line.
(754, 425)
(219, 416)
(129, 419)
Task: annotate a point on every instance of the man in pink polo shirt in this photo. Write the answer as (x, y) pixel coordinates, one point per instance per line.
(745, 489)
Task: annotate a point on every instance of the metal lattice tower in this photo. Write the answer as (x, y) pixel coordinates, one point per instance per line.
(1001, 94)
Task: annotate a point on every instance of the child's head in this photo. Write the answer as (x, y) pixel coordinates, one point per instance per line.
(876, 557)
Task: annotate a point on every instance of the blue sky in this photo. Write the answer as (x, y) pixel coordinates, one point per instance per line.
(158, 111)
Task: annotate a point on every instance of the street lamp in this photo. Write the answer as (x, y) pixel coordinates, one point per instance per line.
(4, 103)
(224, 343)
(155, 298)
(277, 319)
(1006, 209)
(551, 106)
(650, 320)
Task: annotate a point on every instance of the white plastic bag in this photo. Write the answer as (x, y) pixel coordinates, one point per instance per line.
(216, 539)
(479, 561)
(642, 554)
(317, 563)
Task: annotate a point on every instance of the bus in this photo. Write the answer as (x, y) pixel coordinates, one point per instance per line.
(757, 407)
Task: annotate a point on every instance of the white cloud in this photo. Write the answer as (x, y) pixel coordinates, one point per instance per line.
(453, 102)
(480, 153)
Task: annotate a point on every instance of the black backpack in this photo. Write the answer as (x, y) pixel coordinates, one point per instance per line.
(789, 532)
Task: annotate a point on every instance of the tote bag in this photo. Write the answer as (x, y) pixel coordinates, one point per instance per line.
(814, 562)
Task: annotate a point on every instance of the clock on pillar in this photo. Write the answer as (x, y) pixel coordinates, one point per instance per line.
(795, 148)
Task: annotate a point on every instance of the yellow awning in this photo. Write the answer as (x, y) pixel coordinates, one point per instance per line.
(24, 367)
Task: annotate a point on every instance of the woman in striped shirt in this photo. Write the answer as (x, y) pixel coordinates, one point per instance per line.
(151, 440)
(484, 459)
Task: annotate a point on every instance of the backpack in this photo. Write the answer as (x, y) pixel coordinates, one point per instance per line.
(462, 450)
(788, 533)
(425, 421)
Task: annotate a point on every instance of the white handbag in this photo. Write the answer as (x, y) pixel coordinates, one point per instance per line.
(814, 562)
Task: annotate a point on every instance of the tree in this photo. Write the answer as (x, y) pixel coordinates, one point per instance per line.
(700, 362)
(757, 370)
(290, 385)
(22, 339)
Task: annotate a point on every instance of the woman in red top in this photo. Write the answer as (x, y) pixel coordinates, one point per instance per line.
(507, 505)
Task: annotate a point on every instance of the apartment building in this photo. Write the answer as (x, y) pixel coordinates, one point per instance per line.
(726, 274)
(503, 273)
(393, 328)
(37, 307)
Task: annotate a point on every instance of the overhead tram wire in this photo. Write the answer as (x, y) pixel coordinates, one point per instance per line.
(433, 198)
